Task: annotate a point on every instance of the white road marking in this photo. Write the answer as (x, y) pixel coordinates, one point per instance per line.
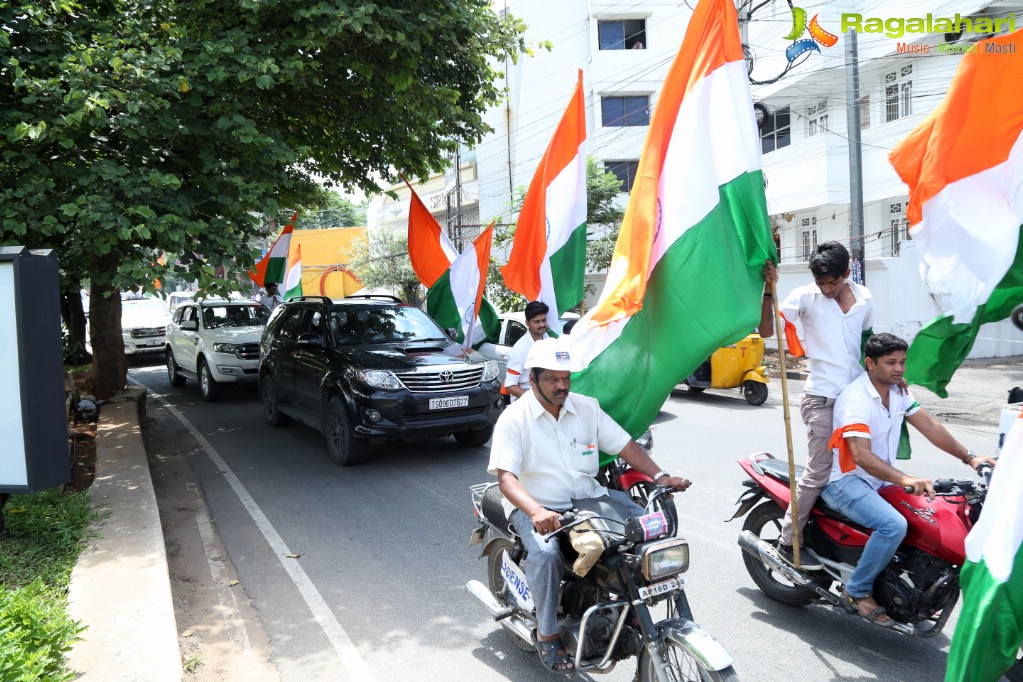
(346, 651)
(227, 603)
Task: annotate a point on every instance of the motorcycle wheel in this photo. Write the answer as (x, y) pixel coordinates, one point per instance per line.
(683, 666)
(495, 582)
(765, 522)
(640, 492)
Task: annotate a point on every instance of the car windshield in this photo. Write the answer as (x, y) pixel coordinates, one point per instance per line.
(246, 315)
(143, 311)
(398, 324)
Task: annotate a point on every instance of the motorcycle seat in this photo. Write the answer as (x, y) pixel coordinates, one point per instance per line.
(779, 469)
(493, 510)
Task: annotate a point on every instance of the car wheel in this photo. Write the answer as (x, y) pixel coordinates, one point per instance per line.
(208, 386)
(175, 378)
(754, 392)
(342, 445)
(271, 402)
(474, 439)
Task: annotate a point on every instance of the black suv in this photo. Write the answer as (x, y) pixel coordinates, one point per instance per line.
(361, 369)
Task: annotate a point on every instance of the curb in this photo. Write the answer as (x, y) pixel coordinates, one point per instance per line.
(120, 587)
(790, 374)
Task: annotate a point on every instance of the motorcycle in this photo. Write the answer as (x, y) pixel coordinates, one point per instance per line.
(607, 616)
(918, 588)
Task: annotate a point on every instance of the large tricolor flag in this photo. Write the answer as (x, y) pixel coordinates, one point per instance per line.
(990, 628)
(455, 282)
(271, 267)
(548, 256)
(964, 168)
(686, 276)
(293, 278)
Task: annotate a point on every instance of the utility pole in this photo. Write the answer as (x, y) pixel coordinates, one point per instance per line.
(852, 97)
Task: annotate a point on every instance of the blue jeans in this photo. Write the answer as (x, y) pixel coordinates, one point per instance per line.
(855, 498)
(543, 565)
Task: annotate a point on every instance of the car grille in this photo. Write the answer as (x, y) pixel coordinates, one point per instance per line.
(148, 332)
(249, 351)
(441, 381)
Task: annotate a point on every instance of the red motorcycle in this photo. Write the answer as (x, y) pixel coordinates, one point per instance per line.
(919, 586)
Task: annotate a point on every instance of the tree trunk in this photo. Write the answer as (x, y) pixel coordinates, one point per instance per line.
(72, 312)
(109, 372)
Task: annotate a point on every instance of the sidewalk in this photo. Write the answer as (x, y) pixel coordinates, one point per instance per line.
(120, 588)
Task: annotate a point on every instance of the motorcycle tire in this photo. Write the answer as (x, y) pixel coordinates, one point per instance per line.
(683, 666)
(765, 522)
(496, 584)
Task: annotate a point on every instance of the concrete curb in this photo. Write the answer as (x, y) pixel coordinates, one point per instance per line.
(795, 376)
(120, 587)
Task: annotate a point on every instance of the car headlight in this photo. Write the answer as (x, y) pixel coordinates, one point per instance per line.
(231, 348)
(490, 370)
(379, 378)
(665, 558)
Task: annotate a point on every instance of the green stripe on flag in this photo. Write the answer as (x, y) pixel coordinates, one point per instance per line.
(275, 270)
(941, 346)
(441, 306)
(568, 269)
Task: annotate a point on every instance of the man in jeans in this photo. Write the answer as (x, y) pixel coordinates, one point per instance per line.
(868, 423)
(836, 315)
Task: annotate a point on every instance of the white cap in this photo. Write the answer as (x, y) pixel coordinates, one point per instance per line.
(556, 354)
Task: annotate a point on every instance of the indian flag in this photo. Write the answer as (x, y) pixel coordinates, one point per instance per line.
(990, 627)
(271, 267)
(686, 276)
(548, 256)
(455, 282)
(293, 280)
(964, 168)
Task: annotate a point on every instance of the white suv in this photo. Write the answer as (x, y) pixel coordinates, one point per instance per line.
(215, 342)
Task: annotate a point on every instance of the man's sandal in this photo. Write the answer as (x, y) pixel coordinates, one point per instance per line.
(552, 660)
(872, 617)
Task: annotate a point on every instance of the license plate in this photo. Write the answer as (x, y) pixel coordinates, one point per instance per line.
(657, 589)
(446, 403)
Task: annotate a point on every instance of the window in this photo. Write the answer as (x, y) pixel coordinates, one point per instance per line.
(516, 330)
(624, 171)
(809, 242)
(896, 225)
(622, 34)
(776, 132)
(864, 112)
(898, 94)
(625, 111)
(817, 118)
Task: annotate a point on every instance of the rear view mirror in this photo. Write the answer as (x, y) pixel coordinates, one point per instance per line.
(190, 325)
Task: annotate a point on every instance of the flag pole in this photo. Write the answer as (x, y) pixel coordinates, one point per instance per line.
(793, 510)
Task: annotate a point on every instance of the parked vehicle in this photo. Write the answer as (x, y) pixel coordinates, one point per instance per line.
(143, 325)
(739, 365)
(177, 298)
(215, 342)
(513, 327)
(919, 587)
(364, 369)
(607, 616)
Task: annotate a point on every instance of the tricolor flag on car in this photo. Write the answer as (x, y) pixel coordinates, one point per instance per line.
(548, 257)
(964, 168)
(455, 281)
(271, 267)
(686, 276)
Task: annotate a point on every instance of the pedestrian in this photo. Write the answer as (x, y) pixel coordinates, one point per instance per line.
(271, 299)
(836, 315)
(516, 381)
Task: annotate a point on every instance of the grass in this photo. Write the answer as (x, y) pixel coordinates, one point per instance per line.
(46, 532)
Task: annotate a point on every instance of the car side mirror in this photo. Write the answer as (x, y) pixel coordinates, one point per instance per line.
(310, 339)
(452, 333)
(190, 325)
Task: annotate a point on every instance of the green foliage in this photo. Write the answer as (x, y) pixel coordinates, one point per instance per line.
(35, 634)
(72, 350)
(333, 210)
(602, 211)
(382, 261)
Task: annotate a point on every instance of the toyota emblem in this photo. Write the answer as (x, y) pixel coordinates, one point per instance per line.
(447, 376)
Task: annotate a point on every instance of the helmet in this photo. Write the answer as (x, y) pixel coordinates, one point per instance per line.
(556, 354)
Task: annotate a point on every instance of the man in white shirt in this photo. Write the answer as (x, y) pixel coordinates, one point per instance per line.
(516, 381)
(836, 315)
(868, 423)
(271, 299)
(545, 453)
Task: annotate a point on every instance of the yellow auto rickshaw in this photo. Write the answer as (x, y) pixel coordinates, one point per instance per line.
(738, 365)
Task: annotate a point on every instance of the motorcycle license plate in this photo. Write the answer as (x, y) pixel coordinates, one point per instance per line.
(446, 403)
(657, 589)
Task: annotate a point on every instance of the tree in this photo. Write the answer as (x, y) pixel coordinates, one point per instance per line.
(333, 211)
(136, 128)
(382, 261)
(602, 190)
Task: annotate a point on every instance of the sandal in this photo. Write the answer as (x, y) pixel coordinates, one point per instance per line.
(551, 658)
(873, 617)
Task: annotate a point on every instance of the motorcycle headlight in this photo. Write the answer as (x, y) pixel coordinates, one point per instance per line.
(490, 370)
(665, 558)
(231, 348)
(379, 378)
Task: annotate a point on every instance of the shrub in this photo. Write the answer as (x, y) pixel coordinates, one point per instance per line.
(35, 633)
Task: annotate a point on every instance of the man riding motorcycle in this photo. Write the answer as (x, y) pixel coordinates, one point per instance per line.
(545, 452)
(868, 422)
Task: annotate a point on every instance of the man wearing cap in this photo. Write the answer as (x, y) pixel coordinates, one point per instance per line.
(546, 452)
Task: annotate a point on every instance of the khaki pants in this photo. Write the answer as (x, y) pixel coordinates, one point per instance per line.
(818, 416)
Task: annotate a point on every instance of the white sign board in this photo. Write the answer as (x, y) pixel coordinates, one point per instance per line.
(13, 463)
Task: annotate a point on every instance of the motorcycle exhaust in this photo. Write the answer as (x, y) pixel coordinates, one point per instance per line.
(504, 615)
(765, 553)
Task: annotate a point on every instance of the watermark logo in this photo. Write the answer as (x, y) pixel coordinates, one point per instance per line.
(818, 35)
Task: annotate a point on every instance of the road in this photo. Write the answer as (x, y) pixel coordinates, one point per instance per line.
(375, 590)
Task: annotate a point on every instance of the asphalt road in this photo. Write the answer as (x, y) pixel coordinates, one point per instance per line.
(376, 590)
